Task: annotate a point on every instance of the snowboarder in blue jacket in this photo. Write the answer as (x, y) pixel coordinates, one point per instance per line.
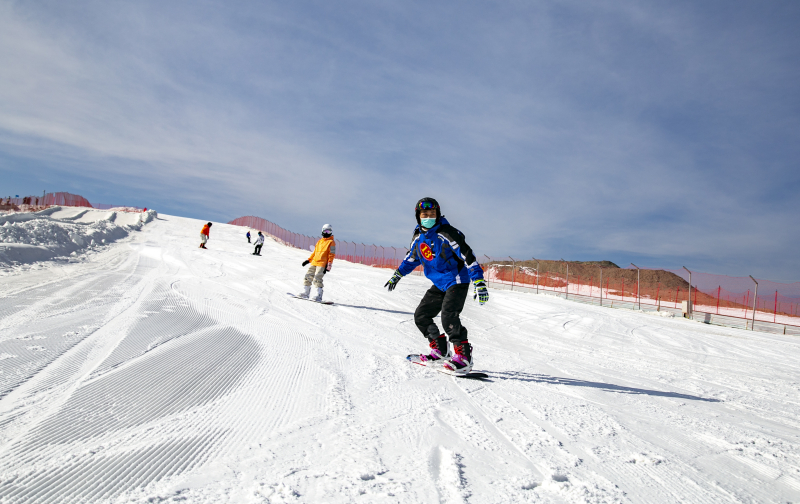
(450, 264)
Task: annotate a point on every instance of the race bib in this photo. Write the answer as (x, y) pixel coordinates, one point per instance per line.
(426, 251)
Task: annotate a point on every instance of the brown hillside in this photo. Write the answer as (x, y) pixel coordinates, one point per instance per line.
(585, 271)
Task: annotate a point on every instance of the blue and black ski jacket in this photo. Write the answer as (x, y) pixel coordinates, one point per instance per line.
(444, 254)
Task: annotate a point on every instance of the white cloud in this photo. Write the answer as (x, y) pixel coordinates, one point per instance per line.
(619, 127)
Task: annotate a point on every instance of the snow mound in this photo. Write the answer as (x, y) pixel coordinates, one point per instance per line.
(58, 232)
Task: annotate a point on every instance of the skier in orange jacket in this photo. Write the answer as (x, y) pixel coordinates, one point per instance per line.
(321, 260)
(204, 235)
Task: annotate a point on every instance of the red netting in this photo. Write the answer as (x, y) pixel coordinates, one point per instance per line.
(36, 203)
(371, 255)
(735, 297)
(715, 294)
(29, 203)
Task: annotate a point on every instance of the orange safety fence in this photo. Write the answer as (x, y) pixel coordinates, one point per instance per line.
(713, 294)
(372, 255)
(657, 288)
(44, 201)
(36, 203)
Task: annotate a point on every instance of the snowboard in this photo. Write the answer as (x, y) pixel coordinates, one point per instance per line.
(414, 359)
(309, 299)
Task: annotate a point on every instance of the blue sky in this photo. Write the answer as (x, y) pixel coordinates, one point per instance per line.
(663, 133)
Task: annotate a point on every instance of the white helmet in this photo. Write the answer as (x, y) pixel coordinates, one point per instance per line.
(327, 230)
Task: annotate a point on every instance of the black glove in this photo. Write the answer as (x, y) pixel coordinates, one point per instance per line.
(305, 263)
(481, 292)
(392, 283)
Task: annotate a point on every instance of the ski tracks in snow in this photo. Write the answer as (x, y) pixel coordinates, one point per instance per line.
(159, 371)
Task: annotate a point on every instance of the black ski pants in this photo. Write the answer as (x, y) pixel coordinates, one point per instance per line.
(450, 303)
(258, 249)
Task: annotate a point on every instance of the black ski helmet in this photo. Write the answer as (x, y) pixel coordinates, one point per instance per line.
(428, 204)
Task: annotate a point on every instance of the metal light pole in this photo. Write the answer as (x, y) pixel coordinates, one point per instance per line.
(638, 294)
(755, 300)
(689, 307)
(513, 271)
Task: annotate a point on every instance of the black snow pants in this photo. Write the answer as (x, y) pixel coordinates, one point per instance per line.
(258, 249)
(450, 303)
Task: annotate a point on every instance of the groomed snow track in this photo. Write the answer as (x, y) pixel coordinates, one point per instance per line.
(158, 371)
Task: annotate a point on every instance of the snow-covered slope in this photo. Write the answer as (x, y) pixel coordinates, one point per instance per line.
(61, 232)
(158, 371)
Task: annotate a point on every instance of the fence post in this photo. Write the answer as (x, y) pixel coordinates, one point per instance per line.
(513, 271)
(537, 274)
(746, 300)
(638, 283)
(658, 298)
(689, 304)
(601, 286)
(755, 300)
(775, 312)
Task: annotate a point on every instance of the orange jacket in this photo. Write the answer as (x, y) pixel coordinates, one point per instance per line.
(324, 252)
(205, 230)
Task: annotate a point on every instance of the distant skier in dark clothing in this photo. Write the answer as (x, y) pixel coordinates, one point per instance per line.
(248, 236)
(259, 243)
(450, 264)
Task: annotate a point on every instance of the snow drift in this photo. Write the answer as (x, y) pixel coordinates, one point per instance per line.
(62, 231)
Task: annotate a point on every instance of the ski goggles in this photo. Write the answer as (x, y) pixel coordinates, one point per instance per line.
(427, 205)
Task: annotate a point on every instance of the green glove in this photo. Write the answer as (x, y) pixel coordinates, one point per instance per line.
(481, 292)
(392, 283)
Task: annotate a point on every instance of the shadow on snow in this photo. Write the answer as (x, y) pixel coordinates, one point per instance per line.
(555, 380)
(376, 309)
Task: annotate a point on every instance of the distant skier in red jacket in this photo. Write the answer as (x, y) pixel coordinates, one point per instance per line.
(204, 235)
